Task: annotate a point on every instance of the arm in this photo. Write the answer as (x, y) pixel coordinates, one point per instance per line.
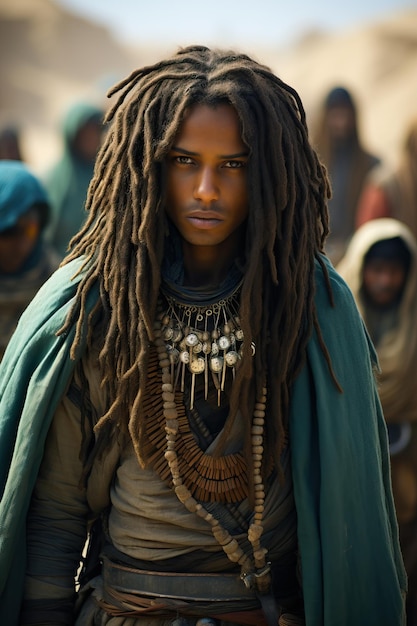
(57, 523)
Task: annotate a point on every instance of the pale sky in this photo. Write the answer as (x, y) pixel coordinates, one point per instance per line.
(245, 22)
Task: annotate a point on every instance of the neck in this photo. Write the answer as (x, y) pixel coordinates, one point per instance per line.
(204, 275)
(208, 266)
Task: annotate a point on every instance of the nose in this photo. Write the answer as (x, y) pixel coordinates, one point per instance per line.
(386, 278)
(206, 187)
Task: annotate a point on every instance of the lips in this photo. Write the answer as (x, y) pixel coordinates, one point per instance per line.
(204, 219)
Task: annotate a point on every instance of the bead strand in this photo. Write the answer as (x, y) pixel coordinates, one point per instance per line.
(256, 528)
(229, 544)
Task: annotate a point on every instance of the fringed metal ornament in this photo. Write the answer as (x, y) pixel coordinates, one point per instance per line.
(207, 340)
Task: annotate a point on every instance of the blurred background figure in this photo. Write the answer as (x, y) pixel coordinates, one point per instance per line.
(338, 142)
(380, 266)
(10, 147)
(67, 180)
(25, 260)
(393, 192)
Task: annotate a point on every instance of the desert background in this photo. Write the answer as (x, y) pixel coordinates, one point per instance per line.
(50, 57)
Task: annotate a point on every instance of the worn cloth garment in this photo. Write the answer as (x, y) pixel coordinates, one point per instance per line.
(67, 180)
(392, 192)
(351, 566)
(395, 335)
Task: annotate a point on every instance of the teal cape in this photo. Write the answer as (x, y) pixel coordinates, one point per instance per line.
(351, 564)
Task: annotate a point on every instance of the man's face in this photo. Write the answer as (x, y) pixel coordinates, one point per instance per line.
(340, 122)
(383, 281)
(88, 140)
(207, 196)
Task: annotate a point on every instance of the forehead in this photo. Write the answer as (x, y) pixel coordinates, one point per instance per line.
(381, 263)
(215, 126)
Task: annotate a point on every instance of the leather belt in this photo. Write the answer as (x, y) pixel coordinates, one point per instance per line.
(193, 587)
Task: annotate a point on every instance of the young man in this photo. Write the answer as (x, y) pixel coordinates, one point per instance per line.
(381, 267)
(201, 382)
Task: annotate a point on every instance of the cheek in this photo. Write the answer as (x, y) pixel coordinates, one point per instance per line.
(6, 248)
(170, 197)
(399, 283)
(238, 194)
(174, 190)
(12, 257)
(368, 280)
(244, 202)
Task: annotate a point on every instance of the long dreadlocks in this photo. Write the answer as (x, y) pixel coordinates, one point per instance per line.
(123, 238)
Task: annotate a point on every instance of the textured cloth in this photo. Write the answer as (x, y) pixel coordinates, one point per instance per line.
(352, 571)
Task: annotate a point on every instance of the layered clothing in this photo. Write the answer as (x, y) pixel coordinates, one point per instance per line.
(343, 521)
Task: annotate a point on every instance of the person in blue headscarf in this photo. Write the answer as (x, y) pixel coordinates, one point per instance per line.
(26, 261)
(67, 180)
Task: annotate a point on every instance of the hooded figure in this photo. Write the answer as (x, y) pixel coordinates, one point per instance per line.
(380, 267)
(25, 260)
(338, 142)
(67, 181)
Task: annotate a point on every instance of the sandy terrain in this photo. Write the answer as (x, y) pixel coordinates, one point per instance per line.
(49, 57)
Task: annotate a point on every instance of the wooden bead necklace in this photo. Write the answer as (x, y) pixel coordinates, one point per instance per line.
(255, 572)
(209, 478)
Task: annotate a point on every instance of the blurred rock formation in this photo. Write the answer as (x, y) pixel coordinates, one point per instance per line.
(49, 57)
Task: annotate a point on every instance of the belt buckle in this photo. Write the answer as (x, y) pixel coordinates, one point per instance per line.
(250, 578)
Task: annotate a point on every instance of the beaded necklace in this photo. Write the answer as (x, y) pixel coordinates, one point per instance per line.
(179, 333)
(205, 339)
(210, 479)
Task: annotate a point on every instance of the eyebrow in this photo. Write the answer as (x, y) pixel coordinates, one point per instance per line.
(221, 156)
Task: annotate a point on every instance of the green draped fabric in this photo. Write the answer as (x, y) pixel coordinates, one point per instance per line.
(67, 180)
(34, 372)
(351, 564)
